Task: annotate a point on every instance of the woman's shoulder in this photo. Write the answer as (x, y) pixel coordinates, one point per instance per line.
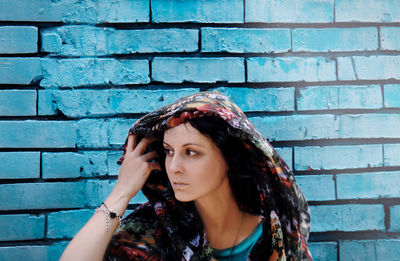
(136, 238)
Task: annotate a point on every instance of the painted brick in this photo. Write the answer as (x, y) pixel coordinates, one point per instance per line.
(198, 11)
(73, 165)
(288, 69)
(98, 190)
(369, 68)
(42, 195)
(19, 165)
(367, 11)
(65, 224)
(89, 41)
(245, 40)
(335, 39)
(390, 38)
(18, 39)
(394, 218)
(303, 11)
(21, 227)
(286, 154)
(268, 99)
(392, 95)
(82, 103)
(119, 129)
(17, 102)
(369, 125)
(340, 97)
(19, 70)
(33, 253)
(323, 251)
(297, 127)
(46, 105)
(92, 133)
(368, 185)
(391, 154)
(93, 71)
(75, 11)
(371, 250)
(37, 134)
(113, 167)
(317, 187)
(338, 157)
(178, 70)
(349, 217)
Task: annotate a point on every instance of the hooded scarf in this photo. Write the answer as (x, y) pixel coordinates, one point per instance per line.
(166, 229)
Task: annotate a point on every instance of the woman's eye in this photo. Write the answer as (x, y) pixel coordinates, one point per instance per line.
(190, 153)
(168, 152)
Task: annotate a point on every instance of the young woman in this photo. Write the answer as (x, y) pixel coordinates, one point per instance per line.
(216, 189)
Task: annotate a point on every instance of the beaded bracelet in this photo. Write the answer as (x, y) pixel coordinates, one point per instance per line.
(109, 214)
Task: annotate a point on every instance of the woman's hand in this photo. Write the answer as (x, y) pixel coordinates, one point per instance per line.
(136, 167)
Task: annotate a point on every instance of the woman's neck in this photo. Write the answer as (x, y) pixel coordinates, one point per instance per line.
(224, 223)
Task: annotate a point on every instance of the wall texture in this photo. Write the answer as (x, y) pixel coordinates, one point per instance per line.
(319, 78)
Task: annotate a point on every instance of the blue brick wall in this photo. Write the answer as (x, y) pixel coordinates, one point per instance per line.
(319, 78)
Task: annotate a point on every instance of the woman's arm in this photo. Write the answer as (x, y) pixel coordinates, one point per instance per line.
(92, 240)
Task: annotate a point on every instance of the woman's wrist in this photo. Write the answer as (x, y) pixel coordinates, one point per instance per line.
(117, 201)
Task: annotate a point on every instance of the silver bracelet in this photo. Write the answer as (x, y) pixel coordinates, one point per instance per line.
(109, 214)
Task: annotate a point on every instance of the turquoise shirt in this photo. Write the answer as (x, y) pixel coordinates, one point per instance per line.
(242, 250)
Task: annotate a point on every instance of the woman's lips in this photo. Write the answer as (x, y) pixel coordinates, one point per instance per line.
(179, 184)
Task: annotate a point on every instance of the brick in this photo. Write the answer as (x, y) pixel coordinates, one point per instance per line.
(317, 187)
(297, 127)
(368, 185)
(73, 165)
(81, 40)
(268, 99)
(65, 224)
(245, 40)
(42, 195)
(119, 129)
(92, 133)
(203, 70)
(390, 38)
(338, 157)
(18, 39)
(19, 70)
(21, 227)
(75, 11)
(323, 251)
(93, 71)
(88, 103)
(348, 217)
(367, 11)
(17, 102)
(392, 95)
(98, 190)
(198, 11)
(394, 218)
(289, 69)
(33, 253)
(37, 134)
(335, 39)
(287, 155)
(340, 97)
(46, 105)
(391, 155)
(289, 11)
(369, 68)
(112, 158)
(370, 125)
(373, 250)
(19, 165)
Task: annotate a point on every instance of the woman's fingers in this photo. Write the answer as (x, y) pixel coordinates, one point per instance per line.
(150, 155)
(142, 145)
(131, 143)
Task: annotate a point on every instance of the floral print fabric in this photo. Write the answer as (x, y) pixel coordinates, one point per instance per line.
(165, 229)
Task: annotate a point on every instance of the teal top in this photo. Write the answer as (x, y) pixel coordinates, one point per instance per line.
(242, 250)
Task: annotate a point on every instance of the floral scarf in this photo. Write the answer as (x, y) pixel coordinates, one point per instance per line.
(165, 229)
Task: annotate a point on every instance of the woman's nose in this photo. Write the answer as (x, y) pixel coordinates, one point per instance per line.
(174, 164)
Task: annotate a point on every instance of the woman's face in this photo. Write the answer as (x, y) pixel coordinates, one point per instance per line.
(194, 164)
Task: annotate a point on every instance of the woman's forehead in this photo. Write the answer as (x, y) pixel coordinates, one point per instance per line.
(184, 133)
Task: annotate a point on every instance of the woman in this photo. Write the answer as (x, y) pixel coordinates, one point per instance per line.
(217, 190)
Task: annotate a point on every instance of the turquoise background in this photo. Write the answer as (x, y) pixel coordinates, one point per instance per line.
(319, 78)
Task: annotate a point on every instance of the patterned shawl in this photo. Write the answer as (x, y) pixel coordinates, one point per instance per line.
(165, 229)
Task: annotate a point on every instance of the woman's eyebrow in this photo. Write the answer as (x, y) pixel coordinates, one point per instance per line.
(186, 144)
